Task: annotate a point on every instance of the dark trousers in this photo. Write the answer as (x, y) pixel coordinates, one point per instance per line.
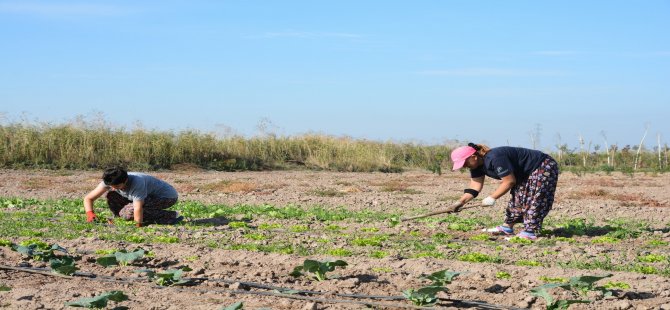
(153, 210)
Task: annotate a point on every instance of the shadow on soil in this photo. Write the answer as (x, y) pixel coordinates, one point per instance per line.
(214, 221)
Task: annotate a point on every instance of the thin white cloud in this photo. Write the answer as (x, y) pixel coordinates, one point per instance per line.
(310, 35)
(61, 9)
(484, 72)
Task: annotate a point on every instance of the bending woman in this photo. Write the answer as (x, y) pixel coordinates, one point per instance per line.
(530, 176)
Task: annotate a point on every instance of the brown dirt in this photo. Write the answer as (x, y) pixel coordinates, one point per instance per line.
(598, 197)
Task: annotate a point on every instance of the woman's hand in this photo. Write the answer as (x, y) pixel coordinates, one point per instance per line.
(488, 201)
(455, 207)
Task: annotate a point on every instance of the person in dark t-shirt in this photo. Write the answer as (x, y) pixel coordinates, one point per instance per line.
(529, 175)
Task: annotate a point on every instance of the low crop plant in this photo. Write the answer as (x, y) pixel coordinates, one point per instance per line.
(166, 239)
(481, 237)
(100, 301)
(106, 251)
(135, 239)
(63, 265)
(370, 241)
(454, 246)
(433, 254)
(605, 239)
(298, 228)
(394, 220)
(546, 279)
(339, 252)
(333, 227)
(425, 296)
(441, 278)
(121, 258)
(171, 277)
(528, 263)
(476, 257)
(266, 226)
(441, 237)
(192, 258)
(4, 288)
(319, 269)
(38, 250)
(379, 254)
(236, 306)
(238, 225)
(652, 258)
(645, 269)
(657, 243)
(616, 285)
(503, 275)
(255, 236)
(519, 240)
(581, 285)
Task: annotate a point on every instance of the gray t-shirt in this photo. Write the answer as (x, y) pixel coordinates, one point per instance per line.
(140, 186)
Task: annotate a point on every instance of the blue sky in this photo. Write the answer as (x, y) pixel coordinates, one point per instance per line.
(425, 71)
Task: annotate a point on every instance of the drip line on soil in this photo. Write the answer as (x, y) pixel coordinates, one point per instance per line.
(95, 277)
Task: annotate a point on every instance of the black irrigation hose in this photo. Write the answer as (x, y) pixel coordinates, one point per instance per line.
(91, 276)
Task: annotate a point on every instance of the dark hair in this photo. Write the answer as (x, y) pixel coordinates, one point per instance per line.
(114, 176)
(481, 149)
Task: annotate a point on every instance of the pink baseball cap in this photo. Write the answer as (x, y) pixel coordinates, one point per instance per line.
(459, 155)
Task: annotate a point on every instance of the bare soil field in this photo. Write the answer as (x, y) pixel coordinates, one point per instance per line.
(600, 224)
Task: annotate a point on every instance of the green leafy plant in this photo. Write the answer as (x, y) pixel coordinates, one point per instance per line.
(542, 291)
(236, 306)
(394, 221)
(5, 288)
(121, 258)
(616, 285)
(442, 277)
(503, 275)
(370, 241)
(5, 242)
(63, 265)
(379, 254)
(167, 239)
(528, 263)
(100, 301)
(38, 250)
(299, 228)
(425, 296)
(581, 284)
(318, 268)
(339, 252)
(238, 225)
(652, 258)
(546, 279)
(481, 237)
(519, 240)
(476, 257)
(171, 277)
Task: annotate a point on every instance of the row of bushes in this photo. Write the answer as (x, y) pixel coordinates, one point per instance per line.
(86, 147)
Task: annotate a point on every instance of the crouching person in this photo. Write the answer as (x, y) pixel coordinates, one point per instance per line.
(134, 196)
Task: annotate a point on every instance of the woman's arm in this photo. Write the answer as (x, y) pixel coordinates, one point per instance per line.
(508, 182)
(92, 196)
(138, 214)
(475, 183)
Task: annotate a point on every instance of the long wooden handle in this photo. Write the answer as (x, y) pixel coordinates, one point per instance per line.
(432, 213)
